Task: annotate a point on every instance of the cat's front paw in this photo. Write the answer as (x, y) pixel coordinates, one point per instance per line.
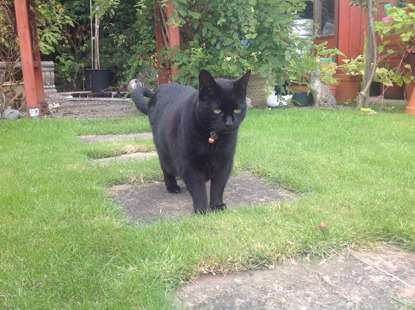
(219, 207)
(175, 189)
(201, 211)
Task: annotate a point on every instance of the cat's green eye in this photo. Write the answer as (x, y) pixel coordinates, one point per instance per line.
(237, 111)
(217, 111)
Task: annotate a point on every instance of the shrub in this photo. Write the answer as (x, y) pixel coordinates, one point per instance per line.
(229, 37)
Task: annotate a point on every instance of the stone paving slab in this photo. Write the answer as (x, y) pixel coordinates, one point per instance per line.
(144, 203)
(125, 157)
(103, 138)
(380, 279)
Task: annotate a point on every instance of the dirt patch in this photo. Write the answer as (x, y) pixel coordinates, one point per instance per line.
(381, 279)
(62, 106)
(149, 202)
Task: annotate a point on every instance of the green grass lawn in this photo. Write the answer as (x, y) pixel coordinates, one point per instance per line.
(64, 244)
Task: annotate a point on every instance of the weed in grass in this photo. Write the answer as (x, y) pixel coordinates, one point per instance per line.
(109, 149)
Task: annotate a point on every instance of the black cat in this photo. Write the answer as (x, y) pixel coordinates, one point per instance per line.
(195, 133)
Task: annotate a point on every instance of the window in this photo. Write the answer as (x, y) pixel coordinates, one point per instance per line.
(324, 17)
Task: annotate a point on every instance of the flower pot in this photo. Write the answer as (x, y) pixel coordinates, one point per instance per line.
(333, 89)
(409, 89)
(410, 109)
(298, 88)
(302, 99)
(96, 80)
(348, 87)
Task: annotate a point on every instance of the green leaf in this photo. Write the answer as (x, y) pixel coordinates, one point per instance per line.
(406, 79)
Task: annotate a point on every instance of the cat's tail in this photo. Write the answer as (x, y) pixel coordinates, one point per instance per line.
(138, 98)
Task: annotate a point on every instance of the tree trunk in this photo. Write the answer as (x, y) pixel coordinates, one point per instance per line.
(97, 61)
(370, 59)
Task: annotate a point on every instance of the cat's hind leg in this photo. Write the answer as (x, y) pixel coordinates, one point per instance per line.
(171, 183)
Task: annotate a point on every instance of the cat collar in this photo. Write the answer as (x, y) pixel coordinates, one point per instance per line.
(213, 137)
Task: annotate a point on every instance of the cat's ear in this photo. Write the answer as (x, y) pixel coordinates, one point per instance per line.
(207, 84)
(242, 83)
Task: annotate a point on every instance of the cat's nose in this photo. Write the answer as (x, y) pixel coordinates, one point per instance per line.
(229, 121)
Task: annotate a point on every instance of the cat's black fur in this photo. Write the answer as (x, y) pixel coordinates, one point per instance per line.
(182, 120)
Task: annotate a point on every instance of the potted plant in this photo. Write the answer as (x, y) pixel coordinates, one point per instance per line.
(328, 69)
(96, 78)
(319, 58)
(298, 77)
(346, 76)
(349, 75)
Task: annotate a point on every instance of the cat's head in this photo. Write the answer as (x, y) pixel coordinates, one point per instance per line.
(222, 102)
(314, 74)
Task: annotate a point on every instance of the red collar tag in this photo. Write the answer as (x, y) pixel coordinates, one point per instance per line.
(213, 137)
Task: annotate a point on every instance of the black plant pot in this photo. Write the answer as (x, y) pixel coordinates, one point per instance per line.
(302, 99)
(96, 80)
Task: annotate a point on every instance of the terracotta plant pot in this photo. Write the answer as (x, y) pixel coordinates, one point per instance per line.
(333, 89)
(408, 89)
(410, 109)
(348, 87)
(299, 88)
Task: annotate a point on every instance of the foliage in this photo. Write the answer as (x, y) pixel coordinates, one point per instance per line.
(120, 34)
(230, 37)
(103, 7)
(403, 25)
(319, 57)
(51, 24)
(68, 68)
(128, 42)
(301, 62)
(353, 66)
(9, 44)
(51, 21)
(10, 72)
(8, 31)
(98, 11)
